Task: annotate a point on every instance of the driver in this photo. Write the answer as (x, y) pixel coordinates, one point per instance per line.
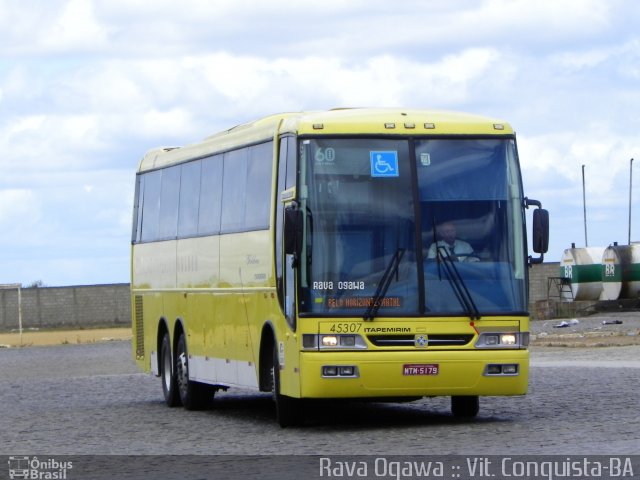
(449, 245)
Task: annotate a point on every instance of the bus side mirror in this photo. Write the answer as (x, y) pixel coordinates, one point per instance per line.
(540, 230)
(293, 222)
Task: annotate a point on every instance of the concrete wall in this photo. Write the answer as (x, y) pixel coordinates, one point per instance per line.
(543, 302)
(109, 305)
(77, 306)
(538, 280)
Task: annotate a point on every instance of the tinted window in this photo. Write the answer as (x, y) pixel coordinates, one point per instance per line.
(461, 170)
(258, 187)
(291, 162)
(282, 173)
(210, 195)
(234, 190)
(189, 199)
(150, 205)
(137, 209)
(360, 227)
(170, 188)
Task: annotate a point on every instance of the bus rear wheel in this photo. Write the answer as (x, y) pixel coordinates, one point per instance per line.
(289, 410)
(465, 407)
(193, 395)
(168, 375)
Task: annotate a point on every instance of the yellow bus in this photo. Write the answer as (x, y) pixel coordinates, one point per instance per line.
(375, 254)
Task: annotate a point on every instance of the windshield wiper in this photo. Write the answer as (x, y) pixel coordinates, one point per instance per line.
(457, 283)
(383, 286)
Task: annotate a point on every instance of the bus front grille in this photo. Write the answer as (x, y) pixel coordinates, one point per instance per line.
(436, 340)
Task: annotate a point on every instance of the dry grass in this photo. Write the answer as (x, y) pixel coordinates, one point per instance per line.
(63, 337)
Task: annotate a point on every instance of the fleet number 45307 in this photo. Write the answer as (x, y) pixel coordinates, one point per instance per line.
(345, 327)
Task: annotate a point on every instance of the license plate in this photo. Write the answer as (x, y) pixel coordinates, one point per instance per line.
(421, 369)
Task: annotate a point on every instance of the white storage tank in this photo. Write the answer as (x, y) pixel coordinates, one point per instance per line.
(612, 260)
(630, 262)
(583, 266)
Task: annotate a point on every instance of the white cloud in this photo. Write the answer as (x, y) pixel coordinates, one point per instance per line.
(16, 207)
(552, 171)
(545, 18)
(49, 142)
(131, 28)
(155, 98)
(52, 27)
(75, 27)
(605, 156)
(379, 80)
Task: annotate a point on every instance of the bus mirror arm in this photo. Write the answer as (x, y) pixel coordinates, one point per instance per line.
(529, 202)
(540, 230)
(293, 228)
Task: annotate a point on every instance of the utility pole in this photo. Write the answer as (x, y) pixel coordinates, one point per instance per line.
(630, 190)
(584, 206)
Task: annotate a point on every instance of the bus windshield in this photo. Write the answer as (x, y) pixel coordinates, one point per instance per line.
(428, 217)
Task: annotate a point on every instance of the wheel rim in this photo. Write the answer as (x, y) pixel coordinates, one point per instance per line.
(182, 373)
(166, 369)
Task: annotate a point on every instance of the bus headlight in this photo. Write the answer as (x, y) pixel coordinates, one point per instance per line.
(333, 342)
(502, 340)
(328, 341)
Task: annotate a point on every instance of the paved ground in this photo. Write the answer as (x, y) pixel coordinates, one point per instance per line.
(80, 393)
(594, 331)
(90, 399)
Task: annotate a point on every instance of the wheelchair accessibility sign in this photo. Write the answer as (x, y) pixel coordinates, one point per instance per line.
(384, 164)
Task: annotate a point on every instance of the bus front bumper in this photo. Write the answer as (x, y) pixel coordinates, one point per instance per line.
(410, 373)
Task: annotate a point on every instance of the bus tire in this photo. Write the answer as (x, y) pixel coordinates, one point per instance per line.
(193, 395)
(168, 375)
(465, 407)
(289, 410)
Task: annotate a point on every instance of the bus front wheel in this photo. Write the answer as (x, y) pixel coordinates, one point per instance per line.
(465, 407)
(168, 375)
(289, 410)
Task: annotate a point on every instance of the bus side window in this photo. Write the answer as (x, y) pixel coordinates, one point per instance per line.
(286, 179)
(282, 172)
(189, 199)
(150, 206)
(210, 204)
(234, 194)
(169, 194)
(137, 210)
(260, 163)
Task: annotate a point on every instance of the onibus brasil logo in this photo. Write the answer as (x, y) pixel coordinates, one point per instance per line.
(33, 468)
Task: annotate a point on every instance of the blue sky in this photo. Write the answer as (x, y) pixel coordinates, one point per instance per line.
(88, 86)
